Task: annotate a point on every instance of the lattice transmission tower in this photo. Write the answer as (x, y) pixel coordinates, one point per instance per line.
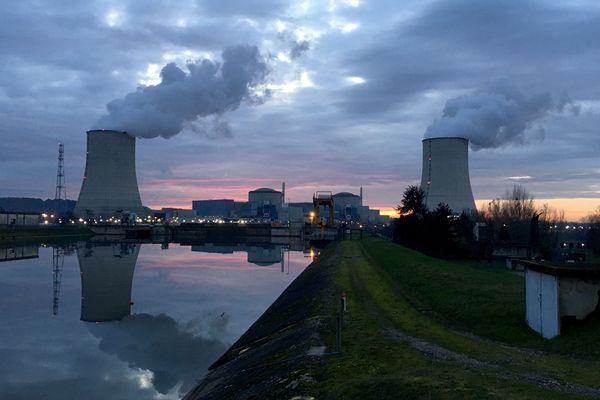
(61, 191)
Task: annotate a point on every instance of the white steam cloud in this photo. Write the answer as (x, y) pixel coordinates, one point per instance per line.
(496, 115)
(208, 89)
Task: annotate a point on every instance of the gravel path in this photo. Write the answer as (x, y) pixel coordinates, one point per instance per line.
(440, 353)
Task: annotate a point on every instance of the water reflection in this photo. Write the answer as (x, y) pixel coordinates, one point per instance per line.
(160, 345)
(18, 252)
(106, 280)
(263, 256)
(189, 307)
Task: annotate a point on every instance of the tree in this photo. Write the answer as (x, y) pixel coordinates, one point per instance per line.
(516, 220)
(512, 214)
(593, 234)
(413, 201)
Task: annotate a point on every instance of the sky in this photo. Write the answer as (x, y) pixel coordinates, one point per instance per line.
(340, 95)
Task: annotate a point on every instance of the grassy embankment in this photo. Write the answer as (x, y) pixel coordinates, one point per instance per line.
(34, 234)
(419, 327)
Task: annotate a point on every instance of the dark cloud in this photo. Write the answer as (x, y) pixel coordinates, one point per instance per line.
(389, 78)
(299, 48)
(248, 8)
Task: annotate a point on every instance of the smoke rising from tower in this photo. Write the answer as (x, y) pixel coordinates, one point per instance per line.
(496, 115)
(207, 89)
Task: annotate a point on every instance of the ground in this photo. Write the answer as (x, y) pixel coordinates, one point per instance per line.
(416, 327)
(20, 235)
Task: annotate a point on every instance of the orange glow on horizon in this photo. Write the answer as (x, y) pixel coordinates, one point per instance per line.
(575, 208)
(388, 211)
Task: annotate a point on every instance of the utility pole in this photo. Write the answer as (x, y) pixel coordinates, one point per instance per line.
(61, 190)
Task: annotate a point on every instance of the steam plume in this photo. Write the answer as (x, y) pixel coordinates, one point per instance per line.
(496, 115)
(209, 88)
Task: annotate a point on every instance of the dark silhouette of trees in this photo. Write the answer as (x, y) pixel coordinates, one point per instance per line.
(439, 233)
(593, 233)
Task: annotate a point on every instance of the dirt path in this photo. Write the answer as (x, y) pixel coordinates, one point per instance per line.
(355, 257)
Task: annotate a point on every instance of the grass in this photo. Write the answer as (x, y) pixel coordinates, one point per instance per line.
(389, 286)
(487, 300)
(33, 234)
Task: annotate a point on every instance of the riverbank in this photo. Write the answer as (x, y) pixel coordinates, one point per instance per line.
(37, 233)
(416, 327)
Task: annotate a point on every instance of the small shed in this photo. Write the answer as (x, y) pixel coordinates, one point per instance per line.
(555, 292)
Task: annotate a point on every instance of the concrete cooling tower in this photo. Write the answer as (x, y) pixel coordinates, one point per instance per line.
(110, 182)
(106, 280)
(445, 174)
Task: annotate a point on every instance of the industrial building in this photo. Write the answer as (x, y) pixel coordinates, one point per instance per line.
(214, 208)
(266, 203)
(348, 207)
(445, 174)
(110, 182)
(11, 219)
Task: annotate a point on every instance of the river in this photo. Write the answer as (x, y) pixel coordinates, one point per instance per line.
(94, 320)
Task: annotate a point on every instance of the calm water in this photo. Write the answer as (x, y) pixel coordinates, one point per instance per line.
(132, 321)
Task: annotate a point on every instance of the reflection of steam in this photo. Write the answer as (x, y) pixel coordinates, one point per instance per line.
(160, 345)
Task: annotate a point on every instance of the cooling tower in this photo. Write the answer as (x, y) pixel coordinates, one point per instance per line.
(445, 175)
(106, 280)
(110, 183)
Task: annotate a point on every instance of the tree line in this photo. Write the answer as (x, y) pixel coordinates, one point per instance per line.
(511, 221)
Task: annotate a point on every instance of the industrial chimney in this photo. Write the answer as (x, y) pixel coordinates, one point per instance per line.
(445, 174)
(110, 182)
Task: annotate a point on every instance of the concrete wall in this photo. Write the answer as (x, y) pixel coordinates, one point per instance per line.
(445, 174)
(110, 182)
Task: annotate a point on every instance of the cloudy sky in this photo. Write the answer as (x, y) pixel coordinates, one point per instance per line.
(339, 96)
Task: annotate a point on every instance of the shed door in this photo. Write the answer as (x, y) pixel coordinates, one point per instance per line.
(549, 305)
(533, 299)
(541, 297)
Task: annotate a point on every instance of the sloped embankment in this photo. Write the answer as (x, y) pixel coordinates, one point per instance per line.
(276, 357)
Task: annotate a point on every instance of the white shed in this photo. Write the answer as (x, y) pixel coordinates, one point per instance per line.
(554, 292)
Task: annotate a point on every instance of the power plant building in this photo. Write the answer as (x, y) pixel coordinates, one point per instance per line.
(445, 174)
(267, 203)
(214, 208)
(110, 182)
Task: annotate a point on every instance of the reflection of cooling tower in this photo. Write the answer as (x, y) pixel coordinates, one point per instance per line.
(445, 175)
(106, 279)
(110, 183)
